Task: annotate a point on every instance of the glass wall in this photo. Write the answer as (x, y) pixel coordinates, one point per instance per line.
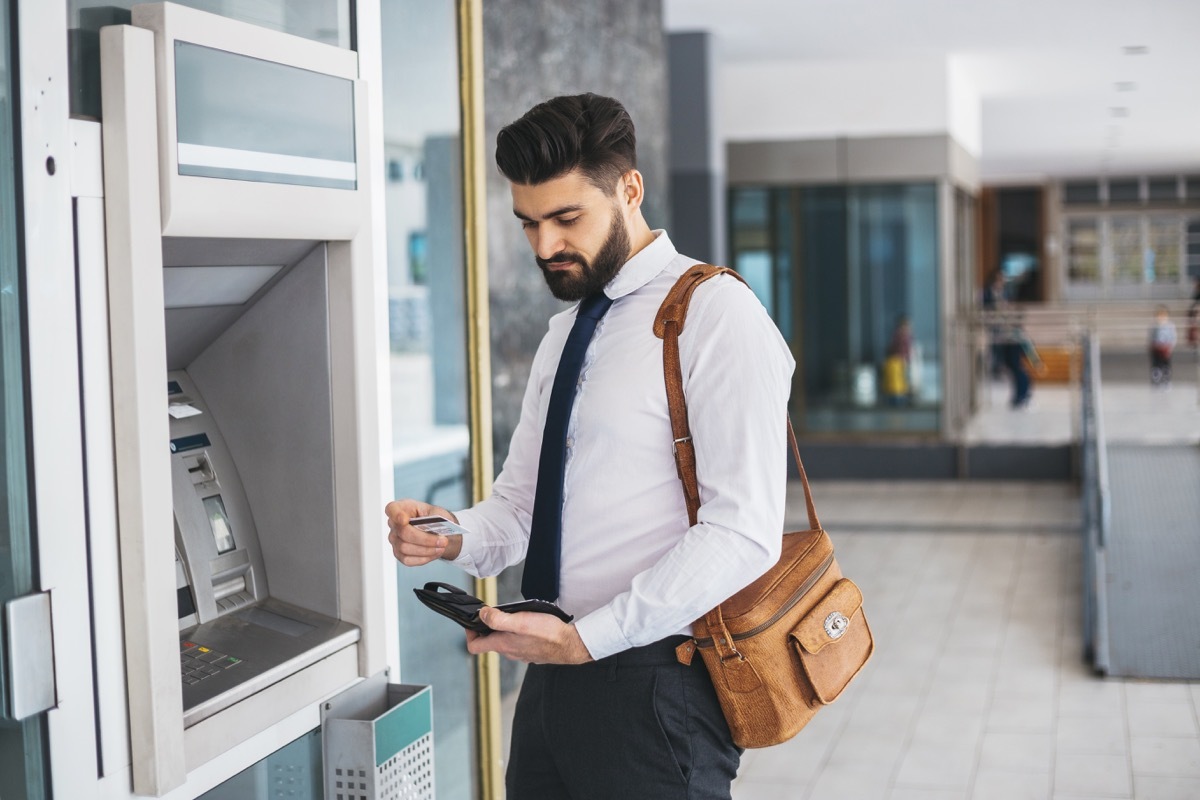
(294, 771)
(1128, 255)
(428, 360)
(327, 21)
(851, 277)
(22, 748)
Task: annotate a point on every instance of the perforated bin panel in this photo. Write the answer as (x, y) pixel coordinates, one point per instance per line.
(408, 775)
(378, 740)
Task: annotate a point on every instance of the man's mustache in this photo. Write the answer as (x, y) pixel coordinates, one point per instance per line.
(560, 258)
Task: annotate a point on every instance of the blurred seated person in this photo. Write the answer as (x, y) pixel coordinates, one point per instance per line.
(896, 366)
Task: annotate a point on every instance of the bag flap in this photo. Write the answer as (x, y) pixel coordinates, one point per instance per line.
(830, 618)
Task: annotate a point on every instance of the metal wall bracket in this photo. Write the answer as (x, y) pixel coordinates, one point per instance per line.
(29, 645)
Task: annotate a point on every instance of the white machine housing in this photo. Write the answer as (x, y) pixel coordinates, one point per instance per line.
(257, 297)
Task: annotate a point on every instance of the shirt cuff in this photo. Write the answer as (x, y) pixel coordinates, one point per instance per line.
(466, 554)
(601, 634)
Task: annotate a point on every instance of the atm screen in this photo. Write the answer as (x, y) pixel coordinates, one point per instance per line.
(219, 521)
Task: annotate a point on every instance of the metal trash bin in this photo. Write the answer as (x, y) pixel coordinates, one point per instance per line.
(378, 742)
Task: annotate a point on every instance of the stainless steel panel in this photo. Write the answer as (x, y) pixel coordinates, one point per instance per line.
(267, 381)
(30, 651)
(295, 639)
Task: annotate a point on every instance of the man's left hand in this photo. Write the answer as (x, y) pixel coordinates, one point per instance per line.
(530, 637)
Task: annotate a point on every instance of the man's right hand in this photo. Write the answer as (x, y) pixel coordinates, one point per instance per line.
(412, 546)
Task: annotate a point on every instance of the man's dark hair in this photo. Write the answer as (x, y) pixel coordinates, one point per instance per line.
(588, 132)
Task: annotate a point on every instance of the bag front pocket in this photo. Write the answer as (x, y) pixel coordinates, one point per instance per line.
(833, 641)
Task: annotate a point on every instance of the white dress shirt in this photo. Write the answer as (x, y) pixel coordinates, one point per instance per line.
(632, 570)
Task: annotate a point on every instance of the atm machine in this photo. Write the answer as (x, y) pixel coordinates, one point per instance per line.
(247, 329)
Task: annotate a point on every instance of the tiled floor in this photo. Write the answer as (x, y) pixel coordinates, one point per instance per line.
(977, 688)
(1133, 412)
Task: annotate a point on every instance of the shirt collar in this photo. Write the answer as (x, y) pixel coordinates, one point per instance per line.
(639, 270)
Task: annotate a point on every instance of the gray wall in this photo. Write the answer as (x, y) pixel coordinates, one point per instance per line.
(535, 50)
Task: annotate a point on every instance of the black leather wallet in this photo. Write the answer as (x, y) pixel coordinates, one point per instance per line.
(453, 603)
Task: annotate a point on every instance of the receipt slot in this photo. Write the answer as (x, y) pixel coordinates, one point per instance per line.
(246, 324)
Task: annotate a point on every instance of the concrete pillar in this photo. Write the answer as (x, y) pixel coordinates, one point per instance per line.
(696, 157)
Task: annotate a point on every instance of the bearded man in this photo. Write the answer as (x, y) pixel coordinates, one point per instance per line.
(589, 495)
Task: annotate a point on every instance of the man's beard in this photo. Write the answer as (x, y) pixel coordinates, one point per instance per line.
(591, 277)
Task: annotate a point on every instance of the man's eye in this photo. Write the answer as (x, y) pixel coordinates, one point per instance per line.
(528, 225)
(571, 221)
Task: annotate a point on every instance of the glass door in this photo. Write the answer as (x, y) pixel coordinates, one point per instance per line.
(22, 742)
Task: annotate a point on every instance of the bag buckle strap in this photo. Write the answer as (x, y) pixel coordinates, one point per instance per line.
(681, 440)
(724, 644)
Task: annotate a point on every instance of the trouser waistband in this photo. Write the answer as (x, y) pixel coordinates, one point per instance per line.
(653, 654)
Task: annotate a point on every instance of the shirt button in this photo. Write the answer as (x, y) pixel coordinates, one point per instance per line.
(570, 442)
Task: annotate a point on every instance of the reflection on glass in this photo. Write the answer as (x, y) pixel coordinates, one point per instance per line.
(295, 771)
(752, 241)
(784, 235)
(1082, 193)
(1083, 250)
(1163, 190)
(325, 21)
(427, 315)
(1124, 191)
(864, 260)
(1164, 250)
(22, 754)
(1125, 242)
(218, 520)
(247, 119)
(1192, 247)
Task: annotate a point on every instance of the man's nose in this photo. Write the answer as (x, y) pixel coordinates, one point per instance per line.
(549, 242)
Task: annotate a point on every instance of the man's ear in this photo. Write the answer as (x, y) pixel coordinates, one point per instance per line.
(630, 190)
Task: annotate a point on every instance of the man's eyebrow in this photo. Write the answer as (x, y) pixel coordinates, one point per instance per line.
(558, 212)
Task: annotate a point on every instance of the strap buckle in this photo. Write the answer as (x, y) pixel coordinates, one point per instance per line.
(675, 444)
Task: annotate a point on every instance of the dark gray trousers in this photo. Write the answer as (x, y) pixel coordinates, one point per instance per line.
(635, 725)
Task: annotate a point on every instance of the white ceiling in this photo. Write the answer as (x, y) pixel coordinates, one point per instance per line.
(1047, 71)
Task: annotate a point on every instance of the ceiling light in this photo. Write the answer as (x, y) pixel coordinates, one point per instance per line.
(1119, 111)
(1126, 86)
(1136, 50)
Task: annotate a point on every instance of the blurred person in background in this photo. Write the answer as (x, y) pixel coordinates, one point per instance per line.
(897, 377)
(1162, 344)
(995, 299)
(1019, 355)
(1193, 329)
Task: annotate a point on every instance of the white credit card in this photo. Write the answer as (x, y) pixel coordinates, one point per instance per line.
(439, 526)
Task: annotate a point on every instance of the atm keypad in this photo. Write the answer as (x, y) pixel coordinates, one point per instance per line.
(198, 663)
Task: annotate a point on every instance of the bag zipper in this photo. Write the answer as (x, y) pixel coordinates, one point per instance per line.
(788, 606)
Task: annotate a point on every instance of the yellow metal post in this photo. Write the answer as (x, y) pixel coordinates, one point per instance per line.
(470, 61)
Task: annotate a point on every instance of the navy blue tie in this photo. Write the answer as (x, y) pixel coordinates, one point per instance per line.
(540, 580)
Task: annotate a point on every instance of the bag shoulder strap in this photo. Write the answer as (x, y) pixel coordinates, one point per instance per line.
(668, 324)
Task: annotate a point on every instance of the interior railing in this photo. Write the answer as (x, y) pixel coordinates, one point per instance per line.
(1096, 507)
